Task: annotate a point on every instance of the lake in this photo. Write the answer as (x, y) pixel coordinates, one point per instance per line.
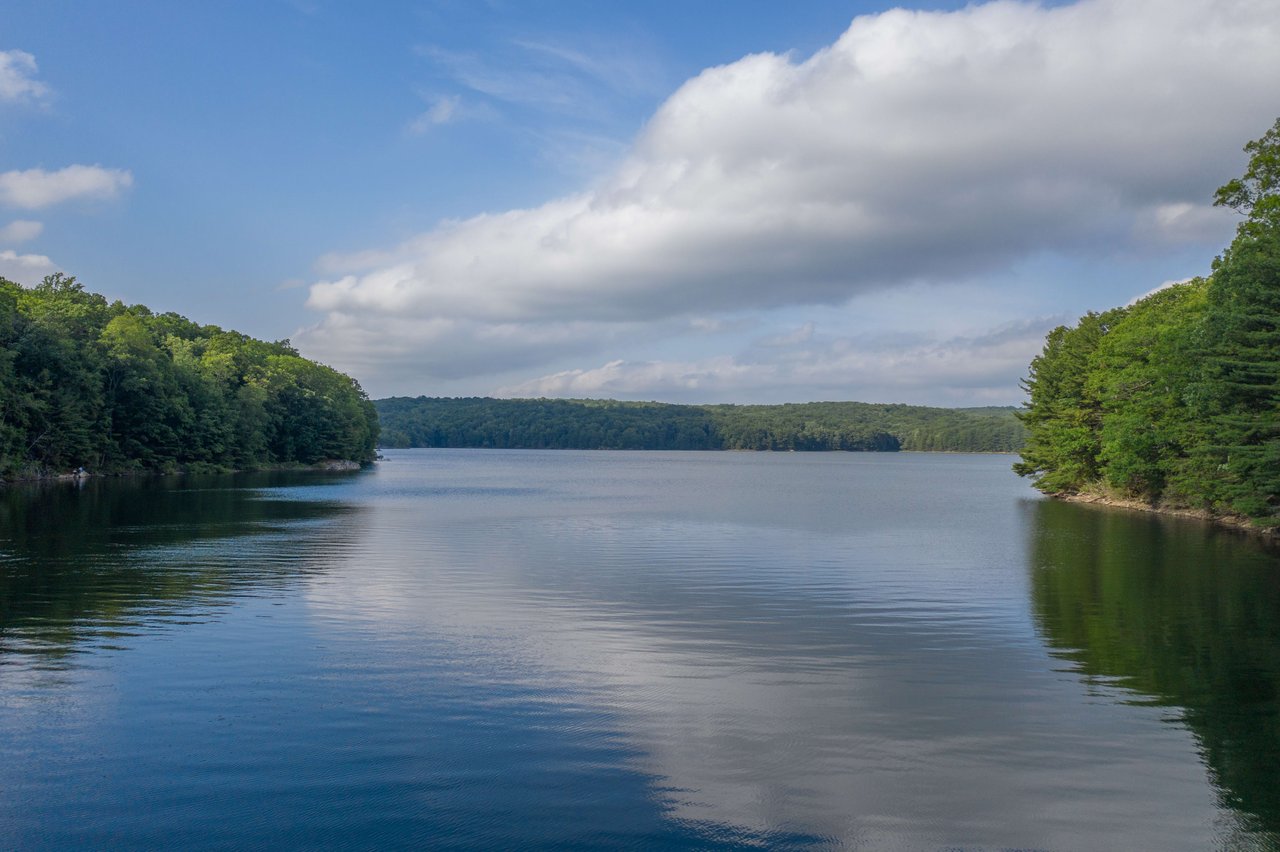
(482, 649)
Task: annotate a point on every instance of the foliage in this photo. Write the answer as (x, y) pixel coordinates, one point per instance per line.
(1062, 416)
(1140, 376)
(609, 424)
(1176, 398)
(1256, 194)
(112, 388)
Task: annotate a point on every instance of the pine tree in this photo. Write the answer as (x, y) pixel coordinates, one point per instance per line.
(1063, 415)
(1240, 393)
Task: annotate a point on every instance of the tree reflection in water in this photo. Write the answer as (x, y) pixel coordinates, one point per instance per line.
(1178, 614)
(82, 564)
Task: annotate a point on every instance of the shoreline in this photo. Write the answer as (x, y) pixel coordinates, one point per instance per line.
(718, 450)
(1234, 522)
(328, 465)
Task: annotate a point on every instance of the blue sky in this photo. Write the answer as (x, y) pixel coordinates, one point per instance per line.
(711, 201)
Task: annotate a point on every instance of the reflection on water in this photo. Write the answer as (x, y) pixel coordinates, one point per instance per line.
(485, 649)
(85, 562)
(1185, 617)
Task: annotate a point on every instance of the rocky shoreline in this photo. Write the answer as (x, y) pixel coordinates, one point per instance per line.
(1237, 522)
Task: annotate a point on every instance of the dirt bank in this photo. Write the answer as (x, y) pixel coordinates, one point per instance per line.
(1234, 521)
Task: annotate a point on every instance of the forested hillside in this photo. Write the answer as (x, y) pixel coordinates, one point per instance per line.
(115, 388)
(609, 424)
(1176, 400)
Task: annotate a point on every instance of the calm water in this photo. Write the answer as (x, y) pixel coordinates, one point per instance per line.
(488, 649)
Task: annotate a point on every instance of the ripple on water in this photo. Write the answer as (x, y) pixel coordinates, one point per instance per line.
(500, 650)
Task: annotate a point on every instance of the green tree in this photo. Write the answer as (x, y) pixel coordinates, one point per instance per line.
(118, 388)
(1178, 397)
(1239, 396)
(1140, 374)
(1063, 414)
(1256, 193)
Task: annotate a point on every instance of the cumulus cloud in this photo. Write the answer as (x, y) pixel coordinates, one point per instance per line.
(34, 189)
(26, 269)
(18, 83)
(415, 354)
(921, 146)
(20, 230)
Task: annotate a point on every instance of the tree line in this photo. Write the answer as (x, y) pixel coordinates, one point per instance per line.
(611, 424)
(113, 388)
(1175, 400)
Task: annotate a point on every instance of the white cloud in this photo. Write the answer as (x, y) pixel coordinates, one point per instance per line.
(921, 146)
(1165, 285)
(574, 100)
(34, 189)
(17, 78)
(967, 370)
(617, 66)
(580, 80)
(663, 378)
(1182, 222)
(443, 110)
(802, 334)
(418, 354)
(449, 109)
(26, 269)
(506, 82)
(20, 230)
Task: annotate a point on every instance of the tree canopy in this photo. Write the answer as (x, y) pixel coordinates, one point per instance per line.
(116, 388)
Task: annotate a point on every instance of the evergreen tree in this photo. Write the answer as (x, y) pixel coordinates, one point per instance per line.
(1063, 415)
(1240, 395)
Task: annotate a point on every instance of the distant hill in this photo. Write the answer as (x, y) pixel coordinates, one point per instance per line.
(589, 424)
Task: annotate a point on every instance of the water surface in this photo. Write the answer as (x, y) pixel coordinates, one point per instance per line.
(501, 649)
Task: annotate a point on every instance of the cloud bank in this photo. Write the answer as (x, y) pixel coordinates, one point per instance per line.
(21, 230)
(27, 269)
(920, 147)
(35, 189)
(970, 370)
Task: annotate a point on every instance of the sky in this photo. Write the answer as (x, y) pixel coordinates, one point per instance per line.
(712, 201)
